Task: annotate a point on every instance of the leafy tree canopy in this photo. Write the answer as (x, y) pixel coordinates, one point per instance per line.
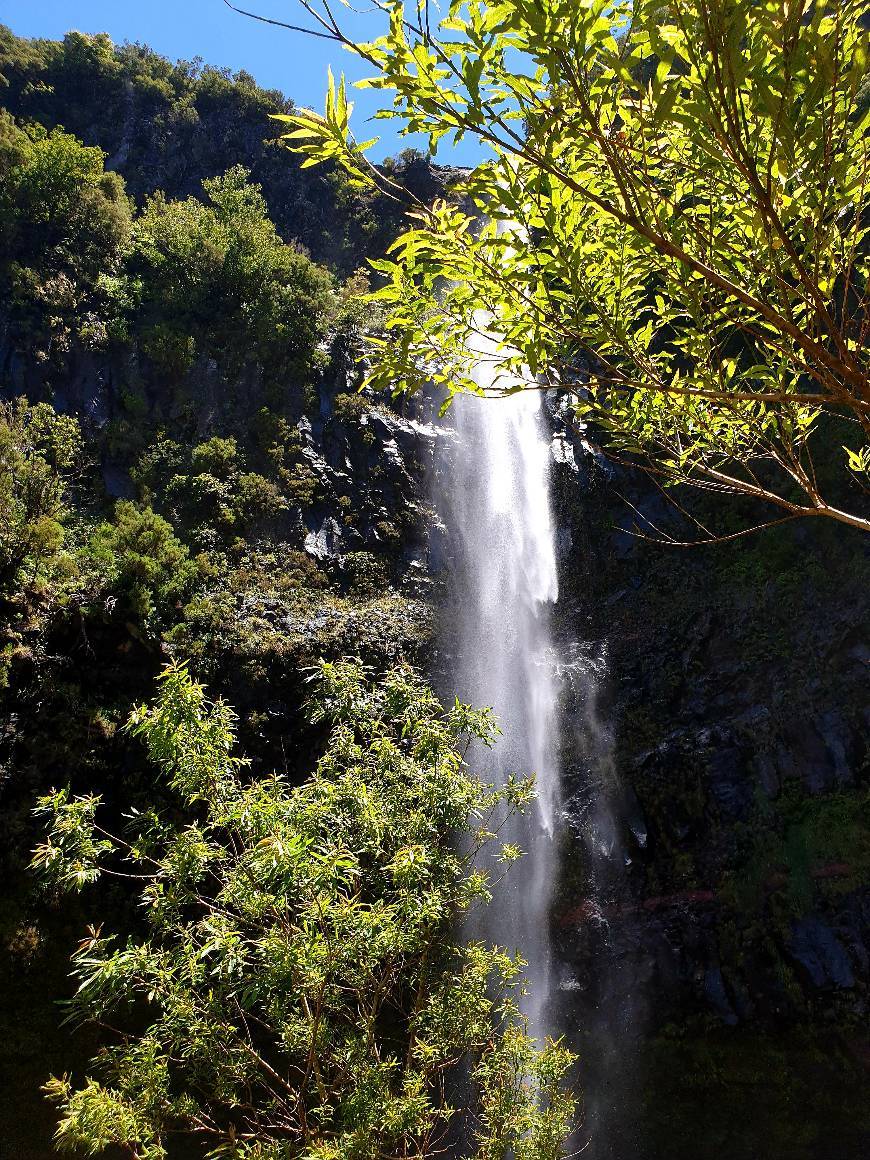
(676, 225)
(139, 561)
(166, 125)
(208, 274)
(40, 452)
(63, 220)
(298, 990)
(218, 269)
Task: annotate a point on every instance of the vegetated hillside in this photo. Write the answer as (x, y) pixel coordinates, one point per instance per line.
(166, 126)
(186, 469)
(185, 465)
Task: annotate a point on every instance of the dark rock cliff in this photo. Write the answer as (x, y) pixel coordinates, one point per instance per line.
(715, 956)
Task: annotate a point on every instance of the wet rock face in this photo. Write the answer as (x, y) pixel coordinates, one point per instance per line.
(374, 465)
(736, 697)
(822, 957)
(367, 464)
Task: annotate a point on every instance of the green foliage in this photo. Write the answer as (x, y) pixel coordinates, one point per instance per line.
(736, 1086)
(353, 409)
(168, 124)
(210, 492)
(258, 497)
(208, 277)
(300, 484)
(355, 318)
(365, 573)
(64, 223)
(61, 210)
(790, 850)
(141, 564)
(216, 456)
(40, 451)
(350, 408)
(219, 273)
(301, 988)
(170, 347)
(88, 83)
(167, 322)
(677, 225)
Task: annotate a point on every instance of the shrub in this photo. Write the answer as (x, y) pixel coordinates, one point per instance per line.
(256, 497)
(142, 563)
(218, 272)
(301, 988)
(366, 574)
(40, 451)
(300, 484)
(217, 456)
(64, 223)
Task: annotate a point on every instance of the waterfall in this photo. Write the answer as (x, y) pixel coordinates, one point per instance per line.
(496, 502)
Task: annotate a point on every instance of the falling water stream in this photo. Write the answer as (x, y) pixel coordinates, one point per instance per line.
(494, 496)
(497, 506)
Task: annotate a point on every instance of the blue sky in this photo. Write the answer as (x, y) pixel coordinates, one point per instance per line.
(278, 59)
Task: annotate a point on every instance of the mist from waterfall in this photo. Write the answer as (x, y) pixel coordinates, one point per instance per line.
(497, 507)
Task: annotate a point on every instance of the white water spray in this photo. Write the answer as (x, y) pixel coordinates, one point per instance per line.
(498, 511)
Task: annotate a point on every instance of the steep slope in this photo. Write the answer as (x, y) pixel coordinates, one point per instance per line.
(185, 464)
(712, 919)
(716, 955)
(167, 126)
